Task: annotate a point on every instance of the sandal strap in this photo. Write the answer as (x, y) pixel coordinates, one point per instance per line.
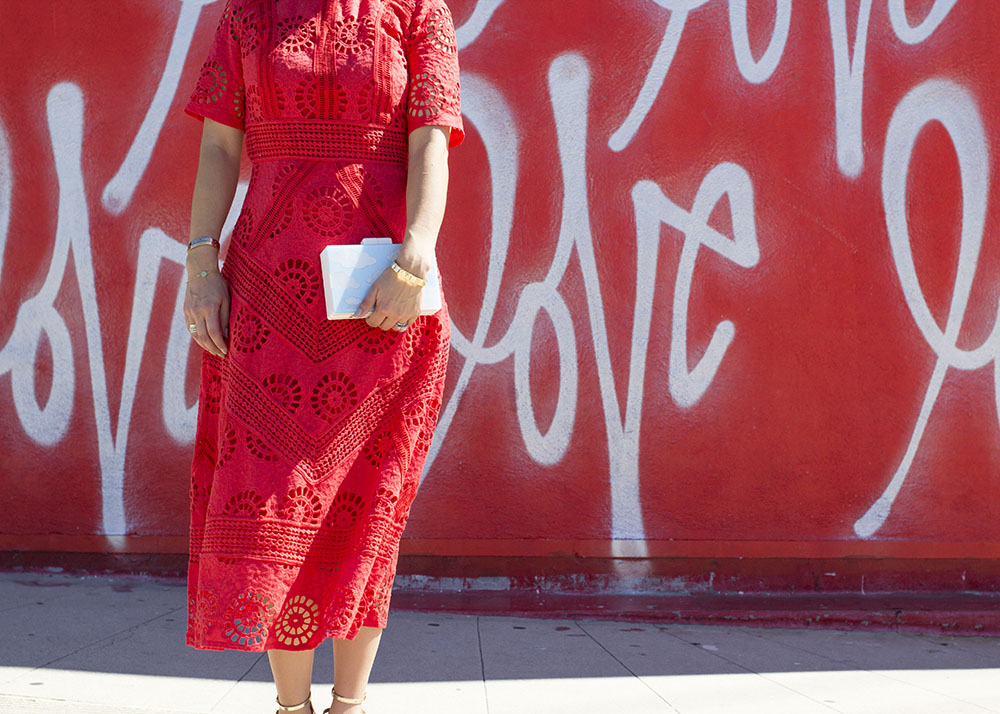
(282, 707)
(348, 700)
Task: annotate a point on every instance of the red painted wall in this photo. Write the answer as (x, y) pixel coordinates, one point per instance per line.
(721, 288)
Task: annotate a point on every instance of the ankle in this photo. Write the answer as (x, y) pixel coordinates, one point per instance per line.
(342, 708)
(304, 707)
(345, 705)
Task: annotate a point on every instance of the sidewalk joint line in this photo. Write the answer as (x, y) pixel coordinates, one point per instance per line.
(750, 671)
(113, 635)
(627, 668)
(482, 666)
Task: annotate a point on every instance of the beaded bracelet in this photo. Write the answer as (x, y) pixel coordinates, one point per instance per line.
(204, 240)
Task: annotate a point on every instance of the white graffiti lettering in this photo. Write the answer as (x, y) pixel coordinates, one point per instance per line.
(753, 70)
(486, 108)
(951, 104)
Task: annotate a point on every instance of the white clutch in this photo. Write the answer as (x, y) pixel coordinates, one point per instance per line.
(350, 269)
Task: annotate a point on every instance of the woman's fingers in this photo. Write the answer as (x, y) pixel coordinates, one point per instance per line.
(215, 334)
(199, 333)
(213, 326)
(207, 307)
(388, 322)
(224, 316)
(202, 337)
(390, 302)
(191, 321)
(376, 314)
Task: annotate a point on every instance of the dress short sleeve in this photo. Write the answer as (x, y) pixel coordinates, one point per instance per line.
(219, 94)
(432, 65)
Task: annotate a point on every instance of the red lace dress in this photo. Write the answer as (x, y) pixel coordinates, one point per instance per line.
(312, 433)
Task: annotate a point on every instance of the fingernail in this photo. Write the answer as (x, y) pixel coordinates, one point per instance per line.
(358, 313)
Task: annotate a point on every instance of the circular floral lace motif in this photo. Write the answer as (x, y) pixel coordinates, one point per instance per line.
(202, 613)
(301, 504)
(242, 229)
(407, 493)
(426, 95)
(238, 102)
(285, 389)
(249, 31)
(231, 17)
(380, 597)
(245, 504)
(431, 339)
(353, 36)
(298, 622)
(328, 211)
(420, 420)
(284, 176)
(305, 97)
(259, 448)
(346, 511)
(333, 395)
(213, 391)
(212, 83)
(301, 279)
(343, 607)
(376, 450)
(227, 448)
(295, 34)
(199, 499)
(366, 100)
(248, 618)
(250, 332)
(441, 31)
(385, 501)
(376, 340)
(255, 110)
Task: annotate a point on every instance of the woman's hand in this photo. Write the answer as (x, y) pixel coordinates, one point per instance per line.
(390, 299)
(206, 306)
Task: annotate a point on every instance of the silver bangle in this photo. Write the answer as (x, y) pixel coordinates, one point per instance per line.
(203, 240)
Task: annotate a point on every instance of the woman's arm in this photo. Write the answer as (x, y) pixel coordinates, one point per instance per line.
(395, 300)
(426, 194)
(206, 303)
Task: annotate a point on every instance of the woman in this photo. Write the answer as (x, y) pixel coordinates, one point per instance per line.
(312, 433)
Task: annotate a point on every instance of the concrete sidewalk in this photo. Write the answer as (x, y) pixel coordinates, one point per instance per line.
(115, 644)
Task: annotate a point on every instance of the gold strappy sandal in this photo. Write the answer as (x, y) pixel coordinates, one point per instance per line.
(297, 707)
(346, 700)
